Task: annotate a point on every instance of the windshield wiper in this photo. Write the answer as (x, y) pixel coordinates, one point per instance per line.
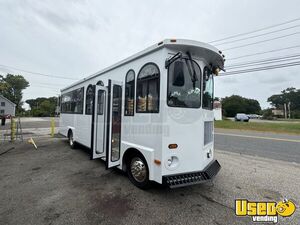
(192, 73)
(178, 55)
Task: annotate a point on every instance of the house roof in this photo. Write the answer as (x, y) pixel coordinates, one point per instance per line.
(1, 96)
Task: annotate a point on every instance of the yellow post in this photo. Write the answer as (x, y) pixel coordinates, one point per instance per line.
(13, 129)
(52, 127)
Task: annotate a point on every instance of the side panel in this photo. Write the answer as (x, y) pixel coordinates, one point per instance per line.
(144, 131)
(81, 123)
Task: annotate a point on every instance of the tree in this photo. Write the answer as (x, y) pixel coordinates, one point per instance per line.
(11, 87)
(288, 96)
(276, 101)
(237, 104)
(267, 114)
(42, 106)
(2, 84)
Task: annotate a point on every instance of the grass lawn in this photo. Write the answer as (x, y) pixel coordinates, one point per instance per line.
(291, 128)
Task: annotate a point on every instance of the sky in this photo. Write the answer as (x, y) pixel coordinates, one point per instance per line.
(76, 38)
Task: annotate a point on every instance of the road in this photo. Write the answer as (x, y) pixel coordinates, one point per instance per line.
(31, 127)
(32, 122)
(269, 121)
(58, 185)
(268, 145)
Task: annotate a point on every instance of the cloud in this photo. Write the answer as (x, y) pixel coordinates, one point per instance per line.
(278, 78)
(4, 71)
(77, 38)
(227, 79)
(62, 15)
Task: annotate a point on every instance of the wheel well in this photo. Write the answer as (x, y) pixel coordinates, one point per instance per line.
(127, 156)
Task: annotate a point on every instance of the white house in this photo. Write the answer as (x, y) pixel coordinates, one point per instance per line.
(7, 107)
(217, 110)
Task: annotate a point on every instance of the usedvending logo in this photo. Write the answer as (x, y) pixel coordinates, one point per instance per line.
(264, 211)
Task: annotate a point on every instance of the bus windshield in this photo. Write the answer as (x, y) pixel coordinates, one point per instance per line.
(184, 84)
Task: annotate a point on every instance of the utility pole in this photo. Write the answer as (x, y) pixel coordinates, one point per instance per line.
(57, 110)
(285, 114)
(289, 109)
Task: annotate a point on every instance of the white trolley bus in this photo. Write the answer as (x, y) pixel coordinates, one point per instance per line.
(150, 115)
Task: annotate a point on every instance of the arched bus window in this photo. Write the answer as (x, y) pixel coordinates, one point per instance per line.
(89, 100)
(100, 83)
(147, 93)
(129, 93)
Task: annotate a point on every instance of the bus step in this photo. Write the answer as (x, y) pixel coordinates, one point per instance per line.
(181, 180)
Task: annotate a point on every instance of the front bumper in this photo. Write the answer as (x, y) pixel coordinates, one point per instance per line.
(185, 179)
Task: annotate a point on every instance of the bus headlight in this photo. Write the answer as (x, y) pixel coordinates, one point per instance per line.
(209, 153)
(172, 162)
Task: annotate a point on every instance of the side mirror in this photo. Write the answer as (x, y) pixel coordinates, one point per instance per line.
(215, 70)
(178, 74)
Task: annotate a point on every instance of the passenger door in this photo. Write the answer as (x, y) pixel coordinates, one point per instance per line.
(113, 148)
(100, 124)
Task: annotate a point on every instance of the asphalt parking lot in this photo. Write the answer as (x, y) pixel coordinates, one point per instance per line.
(57, 185)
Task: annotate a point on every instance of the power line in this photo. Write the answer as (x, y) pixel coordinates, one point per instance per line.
(230, 37)
(45, 85)
(259, 35)
(254, 31)
(264, 63)
(257, 42)
(40, 74)
(265, 52)
(42, 86)
(266, 60)
(276, 65)
(48, 84)
(260, 68)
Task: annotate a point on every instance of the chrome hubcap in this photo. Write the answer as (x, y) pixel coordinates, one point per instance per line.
(138, 169)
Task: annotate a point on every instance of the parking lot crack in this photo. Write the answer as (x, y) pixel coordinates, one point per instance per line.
(214, 201)
(2, 153)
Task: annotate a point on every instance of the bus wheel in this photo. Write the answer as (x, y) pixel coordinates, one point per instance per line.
(138, 173)
(71, 140)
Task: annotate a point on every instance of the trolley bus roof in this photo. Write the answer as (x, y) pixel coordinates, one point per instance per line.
(194, 47)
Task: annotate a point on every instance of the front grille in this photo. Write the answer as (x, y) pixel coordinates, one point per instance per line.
(180, 180)
(208, 132)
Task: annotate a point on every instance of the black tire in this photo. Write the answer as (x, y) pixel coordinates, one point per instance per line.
(72, 143)
(137, 164)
